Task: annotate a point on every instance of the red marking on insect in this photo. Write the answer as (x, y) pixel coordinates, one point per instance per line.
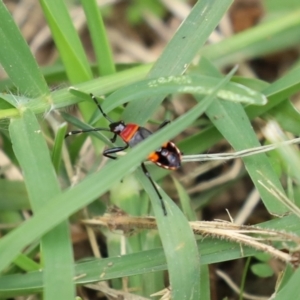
(128, 132)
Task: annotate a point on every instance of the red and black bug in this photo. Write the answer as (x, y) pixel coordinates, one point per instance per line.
(168, 156)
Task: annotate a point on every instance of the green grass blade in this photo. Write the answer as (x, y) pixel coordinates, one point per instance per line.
(285, 86)
(179, 246)
(66, 40)
(59, 208)
(17, 60)
(236, 128)
(256, 41)
(179, 53)
(195, 84)
(98, 34)
(62, 98)
(26, 264)
(58, 145)
(13, 195)
(276, 93)
(287, 116)
(33, 156)
(185, 201)
(176, 235)
(291, 289)
(212, 251)
(69, 46)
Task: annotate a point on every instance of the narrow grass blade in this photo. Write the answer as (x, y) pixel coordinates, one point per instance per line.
(67, 40)
(195, 84)
(185, 201)
(69, 46)
(176, 235)
(212, 251)
(179, 246)
(100, 86)
(58, 145)
(26, 264)
(17, 60)
(13, 195)
(179, 53)
(33, 156)
(288, 154)
(276, 93)
(256, 41)
(236, 128)
(98, 34)
(291, 289)
(60, 207)
(287, 115)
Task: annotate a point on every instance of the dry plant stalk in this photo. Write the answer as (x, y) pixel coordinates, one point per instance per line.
(251, 236)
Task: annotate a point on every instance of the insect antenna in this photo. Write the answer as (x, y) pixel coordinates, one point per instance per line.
(93, 129)
(100, 108)
(86, 130)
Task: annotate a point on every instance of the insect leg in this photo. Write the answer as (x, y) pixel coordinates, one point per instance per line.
(146, 172)
(114, 150)
(163, 124)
